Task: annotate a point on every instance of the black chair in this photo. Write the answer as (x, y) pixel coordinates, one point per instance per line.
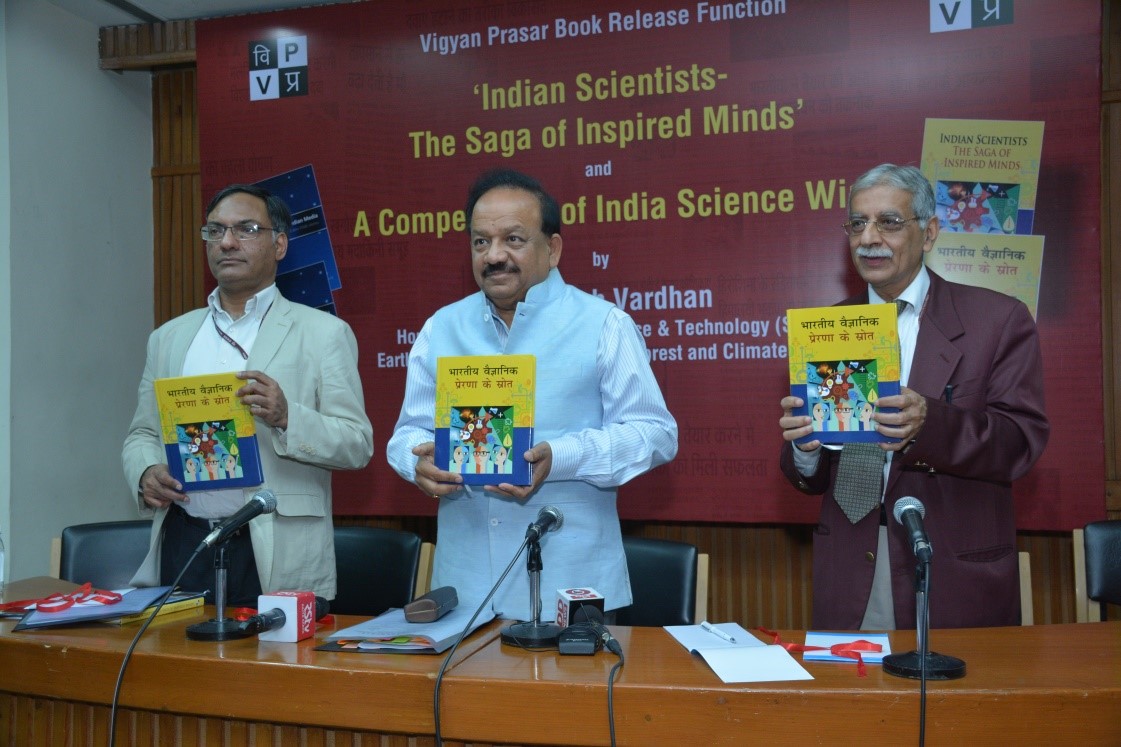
(1103, 562)
(663, 582)
(106, 554)
(377, 569)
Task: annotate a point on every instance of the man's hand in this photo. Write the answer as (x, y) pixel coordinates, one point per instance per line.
(796, 426)
(905, 424)
(430, 478)
(541, 457)
(159, 488)
(265, 398)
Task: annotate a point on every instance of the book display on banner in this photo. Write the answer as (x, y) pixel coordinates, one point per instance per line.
(484, 417)
(843, 359)
(985, 174)
(209, 435)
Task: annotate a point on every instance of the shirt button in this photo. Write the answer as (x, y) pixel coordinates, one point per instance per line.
(494, 522)
(870, 557)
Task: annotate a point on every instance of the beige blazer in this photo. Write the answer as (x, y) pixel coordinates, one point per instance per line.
(314, 357)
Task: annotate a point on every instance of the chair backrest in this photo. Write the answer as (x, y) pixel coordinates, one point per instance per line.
(1103, 561)
(106, 554)
(377, 569)
(663, 582)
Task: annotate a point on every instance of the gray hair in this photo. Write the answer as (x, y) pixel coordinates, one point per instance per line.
(907, 178)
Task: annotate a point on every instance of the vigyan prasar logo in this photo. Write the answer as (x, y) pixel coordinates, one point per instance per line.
(278, 68)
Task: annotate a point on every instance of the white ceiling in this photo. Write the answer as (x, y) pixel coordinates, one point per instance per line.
(128, 12)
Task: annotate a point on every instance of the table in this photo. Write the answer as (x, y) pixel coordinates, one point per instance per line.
(1029, 685)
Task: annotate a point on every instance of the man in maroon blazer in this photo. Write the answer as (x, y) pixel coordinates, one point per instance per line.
(970, 421)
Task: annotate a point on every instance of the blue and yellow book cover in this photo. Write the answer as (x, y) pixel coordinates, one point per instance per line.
(484, 417)
(209, 435)
(843, 359)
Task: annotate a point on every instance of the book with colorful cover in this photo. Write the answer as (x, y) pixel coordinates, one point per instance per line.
(984, 172)
(484, 417)
(210, 437)
(843, 359)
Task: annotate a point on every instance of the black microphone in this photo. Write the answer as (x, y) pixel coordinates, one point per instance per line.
(549, 519)
(909, 512)
(275, 618)
(263, 502)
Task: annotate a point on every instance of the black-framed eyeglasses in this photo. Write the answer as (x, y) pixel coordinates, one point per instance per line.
(247, 230)
(856, 226)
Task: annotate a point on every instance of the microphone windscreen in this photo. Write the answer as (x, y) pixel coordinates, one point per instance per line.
(299, 608)
(905, 503)
(577, 605)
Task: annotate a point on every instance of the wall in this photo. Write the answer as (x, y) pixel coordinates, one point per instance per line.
(77, 254)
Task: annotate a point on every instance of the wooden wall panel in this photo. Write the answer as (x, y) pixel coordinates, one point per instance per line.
(179, 265)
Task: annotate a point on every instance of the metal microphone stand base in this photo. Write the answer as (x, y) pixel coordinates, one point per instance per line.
(532, 635)
(938, 666)
(219, 627)
(214, 629)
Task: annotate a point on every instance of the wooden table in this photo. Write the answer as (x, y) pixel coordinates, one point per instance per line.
(1031, 685)
(1036, 685)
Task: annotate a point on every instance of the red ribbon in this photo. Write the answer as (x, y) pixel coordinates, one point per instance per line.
(58, 601)
(850, 650)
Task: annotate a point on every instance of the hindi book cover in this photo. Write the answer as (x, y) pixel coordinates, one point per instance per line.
(484, 417)
(210, 437)
(843, 359)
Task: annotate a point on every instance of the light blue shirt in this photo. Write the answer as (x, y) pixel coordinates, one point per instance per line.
(610, 425)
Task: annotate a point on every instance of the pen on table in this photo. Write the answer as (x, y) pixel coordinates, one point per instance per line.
(717, 632)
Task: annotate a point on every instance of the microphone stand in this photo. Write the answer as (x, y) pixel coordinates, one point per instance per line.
(220, 627)
(533, 634)
(923, 663)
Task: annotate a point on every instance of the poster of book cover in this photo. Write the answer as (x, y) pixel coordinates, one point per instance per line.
(1008, 264)
(209, 435)
(484, 417)
(843, 359)
(984, 173)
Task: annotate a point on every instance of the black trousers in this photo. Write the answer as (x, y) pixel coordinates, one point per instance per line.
(182, 533)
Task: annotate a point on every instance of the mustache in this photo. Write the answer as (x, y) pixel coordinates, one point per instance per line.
(871, 252)
(504, 267)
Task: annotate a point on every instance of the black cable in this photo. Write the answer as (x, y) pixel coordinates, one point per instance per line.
(614, 647)
(132, 646)
(923, 653)
(462, 635)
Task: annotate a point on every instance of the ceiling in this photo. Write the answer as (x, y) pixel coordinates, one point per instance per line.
(129, 12)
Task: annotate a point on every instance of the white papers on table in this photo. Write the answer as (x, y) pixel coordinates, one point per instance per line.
(746, 660)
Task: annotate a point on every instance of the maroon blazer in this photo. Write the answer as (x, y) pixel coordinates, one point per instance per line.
(961, 465)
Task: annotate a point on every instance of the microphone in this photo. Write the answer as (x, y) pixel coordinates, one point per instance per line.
(910, 512)
(275, 618)
(263, 502)
(549, 519)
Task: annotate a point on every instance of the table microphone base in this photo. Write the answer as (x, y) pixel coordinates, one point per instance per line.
(938, 666)
(213, 629)
(532, 635)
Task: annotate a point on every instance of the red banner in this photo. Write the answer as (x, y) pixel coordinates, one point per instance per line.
(701, 152)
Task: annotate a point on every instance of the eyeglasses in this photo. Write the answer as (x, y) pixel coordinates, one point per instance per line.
(856, 226)
(247, 230)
